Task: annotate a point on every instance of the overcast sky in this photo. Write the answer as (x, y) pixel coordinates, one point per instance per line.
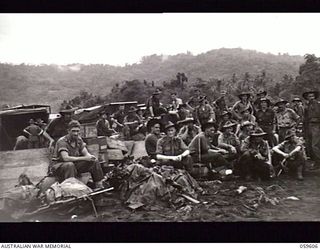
(117, 39)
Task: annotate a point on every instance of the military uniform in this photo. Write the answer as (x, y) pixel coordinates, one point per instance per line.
(312, 125)
(131, 129)
(187, 136)
(199, 150)
(204, 113)
(63, 170)
(34, 137)
(103, 127)
(286, 120)
(266, 120)
(297, 161)
(249, 165)
(173, 147)
(151, 145)
(239, 106)
(228, 139)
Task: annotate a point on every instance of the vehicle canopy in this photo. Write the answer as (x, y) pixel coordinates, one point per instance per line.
(90, 115)
(14, 121)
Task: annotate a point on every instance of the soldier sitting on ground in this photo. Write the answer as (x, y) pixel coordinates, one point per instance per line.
(292, 153)
(171, 150)
(229, 141)
(71, 157)
(255, 161)
(154, 126)
(188, 130)
(245, 130)
(203, 150)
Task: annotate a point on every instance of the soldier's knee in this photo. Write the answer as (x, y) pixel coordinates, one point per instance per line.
(68, 165)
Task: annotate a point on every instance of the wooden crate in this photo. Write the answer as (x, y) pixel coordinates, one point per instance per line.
(114, 155)
(88, 130)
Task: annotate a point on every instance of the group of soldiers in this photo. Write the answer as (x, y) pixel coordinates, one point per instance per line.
(256, 139)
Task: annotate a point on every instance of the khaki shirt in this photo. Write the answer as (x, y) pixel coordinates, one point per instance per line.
(64, 144)
(171, 146)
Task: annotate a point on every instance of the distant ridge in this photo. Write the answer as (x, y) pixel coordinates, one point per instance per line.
(51, 84)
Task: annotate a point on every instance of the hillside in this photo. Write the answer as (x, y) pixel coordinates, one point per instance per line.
(51, 84)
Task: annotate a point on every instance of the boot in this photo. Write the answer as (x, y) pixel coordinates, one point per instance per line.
(299, 172)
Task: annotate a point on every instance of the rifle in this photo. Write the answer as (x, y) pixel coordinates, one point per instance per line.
(183, 193)
(62, 203)
(283, 166)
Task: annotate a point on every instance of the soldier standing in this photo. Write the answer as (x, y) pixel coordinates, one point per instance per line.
(312, 125)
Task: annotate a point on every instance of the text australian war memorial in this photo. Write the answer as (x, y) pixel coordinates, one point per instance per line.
(244, 147)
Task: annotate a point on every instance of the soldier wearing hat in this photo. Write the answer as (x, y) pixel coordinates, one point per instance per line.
(131, 123)
(226, 116)
(255, 161)
(266, 120)
(34, 132)
(220, 105)
(103, 125)
(262, 93)
(183, 112)
(71, 157)
(154, 126)
(59, 126)
(171, 150)
(312, 125)
(246, 129)
(297, 106)
(242, 104)
(229, 141)
(286, 118)
(118, 118)
(203, 148)
(246, 116)
(204, 112)
(193, 102)
(188, 130)
(153, 104)
(292, 153)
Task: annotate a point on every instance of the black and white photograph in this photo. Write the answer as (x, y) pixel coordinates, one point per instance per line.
(163, 117)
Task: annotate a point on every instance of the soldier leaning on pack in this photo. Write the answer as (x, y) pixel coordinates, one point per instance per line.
(312, 125)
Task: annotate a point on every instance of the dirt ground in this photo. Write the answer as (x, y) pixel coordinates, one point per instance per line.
(281, 199)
